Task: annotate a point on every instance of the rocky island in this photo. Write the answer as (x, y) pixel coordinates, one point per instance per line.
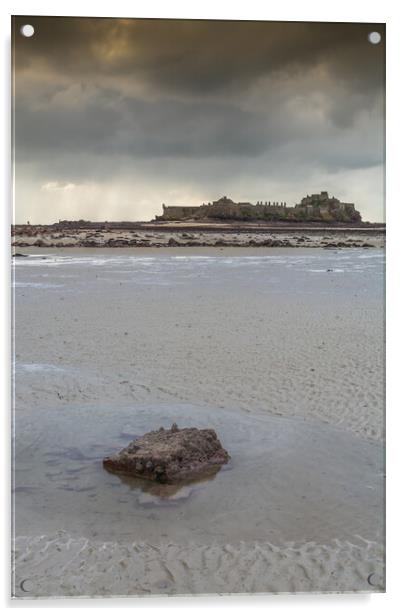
(318, 221)
(318, 207)
(170, 456)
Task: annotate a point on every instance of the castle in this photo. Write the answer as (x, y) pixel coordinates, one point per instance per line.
(315, 208)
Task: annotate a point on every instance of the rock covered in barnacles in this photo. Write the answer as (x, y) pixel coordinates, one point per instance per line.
(169, 456)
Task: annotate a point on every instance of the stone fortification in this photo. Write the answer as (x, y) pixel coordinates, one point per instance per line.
(315, 207)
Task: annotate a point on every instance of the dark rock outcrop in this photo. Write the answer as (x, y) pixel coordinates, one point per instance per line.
(173, 242)
(170, 456)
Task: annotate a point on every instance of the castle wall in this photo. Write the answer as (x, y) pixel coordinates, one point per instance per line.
(232, 211)
(174, 212)
(312, 206)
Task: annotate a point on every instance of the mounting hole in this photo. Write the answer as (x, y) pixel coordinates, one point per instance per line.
(27, 30)
(27, 585)
(374, 38)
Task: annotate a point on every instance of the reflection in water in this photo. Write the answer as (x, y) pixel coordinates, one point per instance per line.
(166, 491)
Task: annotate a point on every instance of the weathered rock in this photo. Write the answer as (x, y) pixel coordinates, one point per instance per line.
(170, 456)
(116, 243)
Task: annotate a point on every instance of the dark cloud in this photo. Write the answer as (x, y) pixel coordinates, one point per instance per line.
(142, 129)
(135, 128)
(200, 56)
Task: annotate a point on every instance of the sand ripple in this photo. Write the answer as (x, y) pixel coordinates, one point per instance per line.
(60, 565)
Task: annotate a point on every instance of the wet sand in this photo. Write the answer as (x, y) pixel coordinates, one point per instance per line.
(280, 351)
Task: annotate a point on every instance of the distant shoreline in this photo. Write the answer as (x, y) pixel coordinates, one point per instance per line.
(191, 234)
(204, 225)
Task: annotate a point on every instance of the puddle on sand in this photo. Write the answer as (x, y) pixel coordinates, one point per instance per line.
(288, 479)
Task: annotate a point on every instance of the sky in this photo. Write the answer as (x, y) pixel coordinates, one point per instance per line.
(113, 117)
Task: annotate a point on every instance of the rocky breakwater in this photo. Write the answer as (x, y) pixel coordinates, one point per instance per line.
(170, 456)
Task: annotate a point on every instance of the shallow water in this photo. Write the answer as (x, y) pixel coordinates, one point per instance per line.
(287, 479)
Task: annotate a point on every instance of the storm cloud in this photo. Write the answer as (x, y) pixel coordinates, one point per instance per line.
(131, 113)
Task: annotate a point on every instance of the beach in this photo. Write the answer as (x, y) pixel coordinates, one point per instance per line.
(281, 350)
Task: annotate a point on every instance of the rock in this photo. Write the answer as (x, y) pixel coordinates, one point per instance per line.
(19, 254)
(89, 244)
(170, 456)
(271, 242)
(220, 243)
(115, 243)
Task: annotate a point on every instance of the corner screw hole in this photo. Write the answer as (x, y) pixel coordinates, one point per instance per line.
(27, 30)
(374, 38)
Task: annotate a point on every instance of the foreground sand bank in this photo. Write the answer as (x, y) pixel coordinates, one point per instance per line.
(280, 350)
(61, 565)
